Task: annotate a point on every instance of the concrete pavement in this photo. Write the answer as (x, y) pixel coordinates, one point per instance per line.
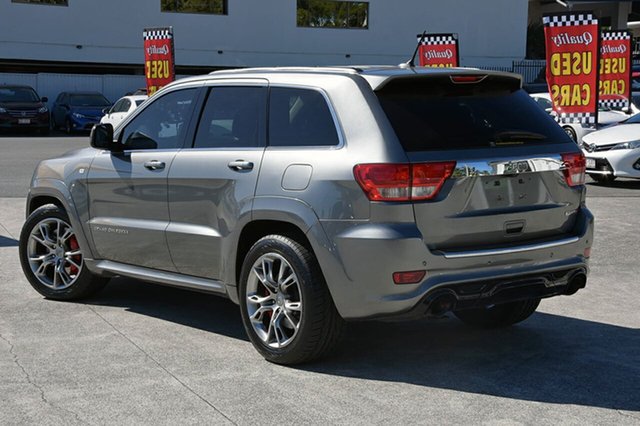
(144, 354)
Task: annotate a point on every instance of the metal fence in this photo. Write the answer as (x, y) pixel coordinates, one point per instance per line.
(531, 70)
(51, 84)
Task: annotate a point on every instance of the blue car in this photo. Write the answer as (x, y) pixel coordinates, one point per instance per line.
(78, 111)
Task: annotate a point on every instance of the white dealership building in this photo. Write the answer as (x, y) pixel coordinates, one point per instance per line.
(256, 32)
(56, 45)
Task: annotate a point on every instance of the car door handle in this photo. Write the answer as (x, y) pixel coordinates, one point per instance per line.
(240, 165)
(154, 165)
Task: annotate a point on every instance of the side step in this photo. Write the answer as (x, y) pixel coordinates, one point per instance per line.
(160, 277)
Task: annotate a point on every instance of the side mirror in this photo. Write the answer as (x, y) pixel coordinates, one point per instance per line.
(45, 99)
(102, 137)
(106, 110)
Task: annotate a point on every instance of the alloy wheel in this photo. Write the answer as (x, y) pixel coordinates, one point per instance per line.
(54, 254)
(274, 300)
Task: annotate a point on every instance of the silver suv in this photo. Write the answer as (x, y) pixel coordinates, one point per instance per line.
(311, 196)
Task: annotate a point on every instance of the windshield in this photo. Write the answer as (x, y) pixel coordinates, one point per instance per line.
(431, 115)
(18, 94)
(88, 100)
(634, 119)
(139, 102)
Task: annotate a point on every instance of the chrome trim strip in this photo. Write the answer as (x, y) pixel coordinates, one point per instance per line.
(598, 172)
(510, 250)
(162, 277)
(509, 166)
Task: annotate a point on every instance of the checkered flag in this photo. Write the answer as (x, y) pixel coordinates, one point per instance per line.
(569, 20)
(157, 33)
(576, 117)
(437, 39)
(616, 35)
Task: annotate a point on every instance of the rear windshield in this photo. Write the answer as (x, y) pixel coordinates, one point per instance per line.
(436, 114)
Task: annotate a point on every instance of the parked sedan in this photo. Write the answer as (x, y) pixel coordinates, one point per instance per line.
(122, 108)
(76, 111)
(22, 108)
(614, 152)
(577, 131)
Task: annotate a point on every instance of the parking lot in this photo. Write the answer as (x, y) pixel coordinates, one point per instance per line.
(140, 353)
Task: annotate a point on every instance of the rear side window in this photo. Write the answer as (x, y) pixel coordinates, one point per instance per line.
(300, 117)
(438, 114)
(233, 117)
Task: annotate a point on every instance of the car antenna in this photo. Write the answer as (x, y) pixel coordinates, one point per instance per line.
(411, 62)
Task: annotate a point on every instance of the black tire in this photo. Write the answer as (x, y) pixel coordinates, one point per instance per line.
(82, 283)
(320, 327)
(499, 315)
(602, 179)
(571, 133)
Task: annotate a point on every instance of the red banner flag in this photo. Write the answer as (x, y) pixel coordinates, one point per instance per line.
(158, 58)
(438, 50)
(615, 69)
(571, 42)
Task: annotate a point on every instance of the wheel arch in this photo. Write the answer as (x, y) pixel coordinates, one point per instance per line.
(292, 218)
(257, 229)
(54, 191)
(42, 200)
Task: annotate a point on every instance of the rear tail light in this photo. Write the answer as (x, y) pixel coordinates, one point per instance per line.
(575, 167)
(403, 182)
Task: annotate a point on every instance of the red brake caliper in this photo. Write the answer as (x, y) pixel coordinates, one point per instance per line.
(73, 245)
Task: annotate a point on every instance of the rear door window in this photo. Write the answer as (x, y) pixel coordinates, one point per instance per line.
(437, 114)
(233, 117)
(300, 117)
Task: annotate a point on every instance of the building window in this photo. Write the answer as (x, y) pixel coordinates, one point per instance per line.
(49, 2)
(333, 14)
(212, 7)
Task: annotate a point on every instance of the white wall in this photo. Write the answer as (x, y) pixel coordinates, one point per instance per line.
(260, 32)
(50, 84)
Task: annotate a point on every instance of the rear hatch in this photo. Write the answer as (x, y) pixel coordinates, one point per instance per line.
(517, 176)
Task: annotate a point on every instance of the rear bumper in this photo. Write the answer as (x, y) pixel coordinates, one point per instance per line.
(360, 266)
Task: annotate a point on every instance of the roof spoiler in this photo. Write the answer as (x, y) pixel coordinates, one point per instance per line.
(378, 82)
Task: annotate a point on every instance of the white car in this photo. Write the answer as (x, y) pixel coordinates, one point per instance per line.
(614, 152)
(577, 131)
(122, 108)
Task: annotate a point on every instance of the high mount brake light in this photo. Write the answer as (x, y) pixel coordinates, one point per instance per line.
(403, 182)
(575, 167)
(467, 78)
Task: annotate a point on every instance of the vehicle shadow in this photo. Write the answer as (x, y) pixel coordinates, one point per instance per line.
(192, 309)
(548, 358)
(8, 242)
